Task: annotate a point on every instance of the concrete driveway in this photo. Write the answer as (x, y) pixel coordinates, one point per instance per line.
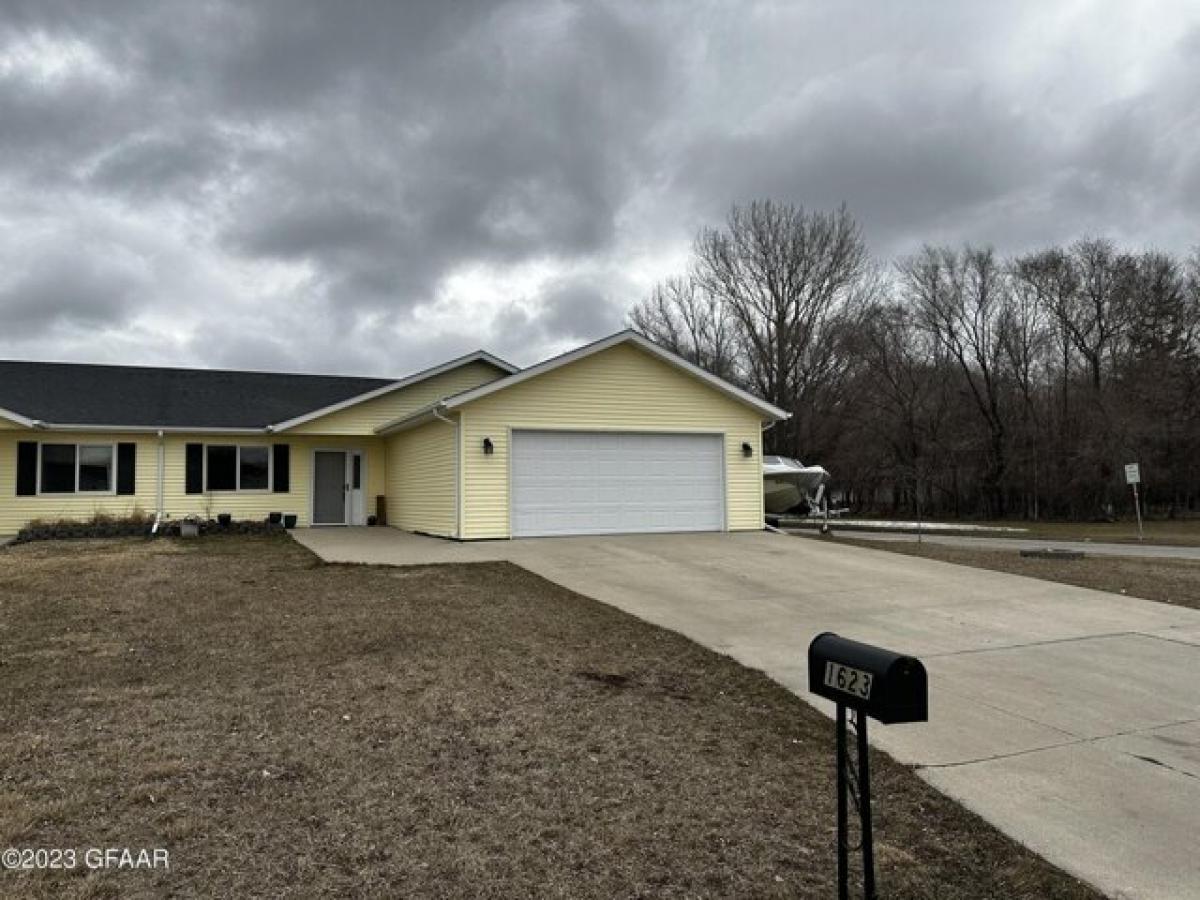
(1069, 718)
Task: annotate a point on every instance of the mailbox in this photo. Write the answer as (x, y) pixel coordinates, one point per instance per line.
(886, 686)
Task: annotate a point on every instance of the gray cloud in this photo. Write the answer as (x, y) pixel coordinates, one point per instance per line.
(577, 311)
(59, 292)
(370, 186)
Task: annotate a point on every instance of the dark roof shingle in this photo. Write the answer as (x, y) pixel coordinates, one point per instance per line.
(78, 394)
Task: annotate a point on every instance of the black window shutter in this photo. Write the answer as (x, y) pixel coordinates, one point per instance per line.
(195, 469)
(283, 470)
(27, 468)
(126, 466)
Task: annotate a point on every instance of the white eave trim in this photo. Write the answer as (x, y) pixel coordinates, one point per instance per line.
(146, 429)
(478, 356)
(17, 418)
(412, 420)
(768, 411)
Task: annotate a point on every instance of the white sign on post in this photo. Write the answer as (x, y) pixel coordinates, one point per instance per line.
(1133, 477)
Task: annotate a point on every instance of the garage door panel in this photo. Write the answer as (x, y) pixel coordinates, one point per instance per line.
(613, 482)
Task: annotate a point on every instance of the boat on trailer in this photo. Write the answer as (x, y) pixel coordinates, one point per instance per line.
(788, 483)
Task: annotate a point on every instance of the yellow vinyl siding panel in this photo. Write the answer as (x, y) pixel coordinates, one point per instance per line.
(15, 512)
(619, 389)
(365, 417)
(256, 504)
(421, 480)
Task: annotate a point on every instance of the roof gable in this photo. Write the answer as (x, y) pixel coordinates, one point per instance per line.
(767, 410)
(362, 415)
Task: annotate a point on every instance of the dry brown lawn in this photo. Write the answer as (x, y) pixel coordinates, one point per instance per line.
(1175, 581)
(290, 729)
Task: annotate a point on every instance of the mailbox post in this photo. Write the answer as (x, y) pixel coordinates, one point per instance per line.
(874, 683)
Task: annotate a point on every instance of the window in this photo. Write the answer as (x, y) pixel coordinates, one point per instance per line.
(222, 468)
(253, 469)
(233, 468)
(76, 468)
(58, 469)
(95, 468)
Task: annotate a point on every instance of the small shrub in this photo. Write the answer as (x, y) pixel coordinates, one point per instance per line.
(136, 524)
(212, 526)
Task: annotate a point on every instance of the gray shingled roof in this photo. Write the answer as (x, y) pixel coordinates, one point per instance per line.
(75, 394)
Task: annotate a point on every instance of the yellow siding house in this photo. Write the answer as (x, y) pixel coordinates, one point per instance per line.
(617, 436)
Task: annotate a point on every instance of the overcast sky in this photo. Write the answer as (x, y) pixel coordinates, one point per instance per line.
(371, 188)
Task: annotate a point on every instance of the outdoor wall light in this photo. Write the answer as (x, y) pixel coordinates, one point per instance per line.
(747, 450)
(488, 447)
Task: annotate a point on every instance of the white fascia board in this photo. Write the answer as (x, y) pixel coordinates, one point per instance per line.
(147, 429)
(478, 356)
(767, 410)
(17, 418)
(412, 420)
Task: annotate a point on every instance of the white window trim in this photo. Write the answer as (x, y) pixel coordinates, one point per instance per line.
(111, 492)
(237, 464)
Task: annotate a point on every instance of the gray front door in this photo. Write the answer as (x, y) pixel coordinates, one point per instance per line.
(329, 487)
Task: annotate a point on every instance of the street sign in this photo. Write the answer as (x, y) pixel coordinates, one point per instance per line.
(1133, 477)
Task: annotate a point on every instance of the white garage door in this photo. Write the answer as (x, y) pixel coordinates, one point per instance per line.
(610, 483)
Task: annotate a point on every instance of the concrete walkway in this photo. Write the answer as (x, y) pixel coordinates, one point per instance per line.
(1097, 548)
(1068, 718)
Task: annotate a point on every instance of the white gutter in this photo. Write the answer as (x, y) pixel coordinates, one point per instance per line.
(17, 418)
(148, 429)
(413, 419)
(160, 512)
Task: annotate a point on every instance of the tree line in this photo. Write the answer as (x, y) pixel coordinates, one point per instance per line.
(956, 380)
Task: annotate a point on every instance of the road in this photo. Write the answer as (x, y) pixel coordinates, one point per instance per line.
(1157, 551)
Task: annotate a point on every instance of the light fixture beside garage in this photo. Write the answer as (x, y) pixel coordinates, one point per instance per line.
(747, 450)
(488, 447)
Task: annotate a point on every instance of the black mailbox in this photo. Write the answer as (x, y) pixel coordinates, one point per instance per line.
(878, 683)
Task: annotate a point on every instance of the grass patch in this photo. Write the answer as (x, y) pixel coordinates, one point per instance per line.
(291, 729)
(1174, 581)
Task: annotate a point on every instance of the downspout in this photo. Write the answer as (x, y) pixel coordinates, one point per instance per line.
(158, 500)
(457, 472)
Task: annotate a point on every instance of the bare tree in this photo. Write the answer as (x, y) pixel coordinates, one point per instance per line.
(789, 279)
(1097, 314)
(959, 300)
(965, 383)
(689, 321)
(901, 399)
(1026, 337)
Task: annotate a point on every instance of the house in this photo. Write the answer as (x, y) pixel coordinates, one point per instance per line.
(616, 436)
